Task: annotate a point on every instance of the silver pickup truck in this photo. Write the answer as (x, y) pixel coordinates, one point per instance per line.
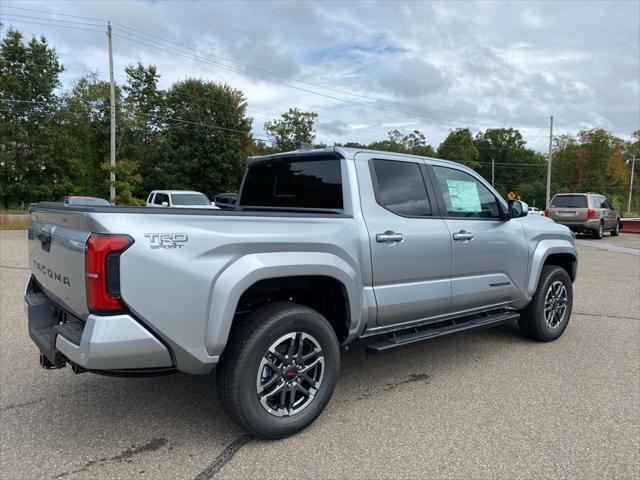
(324, 247)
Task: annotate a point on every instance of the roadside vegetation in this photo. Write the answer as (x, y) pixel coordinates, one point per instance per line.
(196, 135)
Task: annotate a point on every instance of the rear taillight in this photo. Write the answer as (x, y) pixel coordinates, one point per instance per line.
(546, 212)
(102, 271)
(591, 213)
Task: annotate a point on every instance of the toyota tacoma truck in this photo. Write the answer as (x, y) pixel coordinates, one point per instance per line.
(322, 248)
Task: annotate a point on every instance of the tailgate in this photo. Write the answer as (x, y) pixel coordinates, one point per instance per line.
(568, 214)
(56, 260)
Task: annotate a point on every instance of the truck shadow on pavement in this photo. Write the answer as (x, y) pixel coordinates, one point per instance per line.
(182, 405)
(182, 412)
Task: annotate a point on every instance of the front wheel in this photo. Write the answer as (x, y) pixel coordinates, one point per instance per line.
(547, 316)
(279, 369)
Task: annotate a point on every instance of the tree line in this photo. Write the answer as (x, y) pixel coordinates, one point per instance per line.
(197, 134)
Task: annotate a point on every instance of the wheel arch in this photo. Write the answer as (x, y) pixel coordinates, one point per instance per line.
(270, 272)
(551, 252)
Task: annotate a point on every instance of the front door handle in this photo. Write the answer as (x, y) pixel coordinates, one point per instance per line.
(463, 235)
(389, 237)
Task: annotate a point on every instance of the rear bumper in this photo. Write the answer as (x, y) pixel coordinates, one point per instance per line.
(584, 227)
(114, 343)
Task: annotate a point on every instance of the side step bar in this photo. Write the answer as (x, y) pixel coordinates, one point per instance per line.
(441, 329)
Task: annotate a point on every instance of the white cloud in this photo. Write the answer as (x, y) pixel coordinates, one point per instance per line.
(485, 61)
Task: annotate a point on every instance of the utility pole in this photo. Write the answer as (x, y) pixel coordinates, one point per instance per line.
(112, 93)
(633, 167)
(549, 161)
(493, 172)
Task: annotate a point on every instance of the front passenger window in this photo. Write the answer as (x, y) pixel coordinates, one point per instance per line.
(464, 196)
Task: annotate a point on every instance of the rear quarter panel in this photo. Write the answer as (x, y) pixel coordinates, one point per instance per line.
(186, 286)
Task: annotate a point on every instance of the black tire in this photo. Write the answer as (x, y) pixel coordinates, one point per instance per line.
(247, 347)
(616, 230)
(599, 233)
(532, 322)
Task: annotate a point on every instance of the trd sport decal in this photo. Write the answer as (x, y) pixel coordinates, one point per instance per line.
(166, 240)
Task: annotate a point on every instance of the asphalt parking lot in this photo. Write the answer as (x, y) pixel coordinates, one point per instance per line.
(484, 405)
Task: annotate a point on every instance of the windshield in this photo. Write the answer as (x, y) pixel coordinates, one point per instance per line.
(569, 201)
(189, 199)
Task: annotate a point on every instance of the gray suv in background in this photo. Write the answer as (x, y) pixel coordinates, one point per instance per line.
(585, 213)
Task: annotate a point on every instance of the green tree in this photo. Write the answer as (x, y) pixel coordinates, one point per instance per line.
(594, 161)
(127, 180)
(29, 76)
(83, 135)
(516, 167)
(413, 143)
(291, 129)
(207, 136)
(459, 146)
(144, 106)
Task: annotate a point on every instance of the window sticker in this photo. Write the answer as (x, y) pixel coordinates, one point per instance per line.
(464, 196)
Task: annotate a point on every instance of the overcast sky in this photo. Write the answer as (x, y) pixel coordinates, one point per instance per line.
(370, 67)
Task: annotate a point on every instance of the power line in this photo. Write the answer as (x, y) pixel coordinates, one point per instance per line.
(352, 103)
(56, 25)
(343, 92)
(213, 126)
(56, 20)
(145, 41)
(285, 77)
(173, 50)
(52, 13)
(127, 34)
(149, 115)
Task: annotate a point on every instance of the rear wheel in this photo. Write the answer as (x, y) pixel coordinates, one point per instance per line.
(547, 316)
(599, 233)
(616, 230)
(279, 369)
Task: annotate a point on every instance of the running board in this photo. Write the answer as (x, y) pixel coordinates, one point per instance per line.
(441, 329)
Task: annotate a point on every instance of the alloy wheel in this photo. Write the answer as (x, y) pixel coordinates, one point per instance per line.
(555, 304)
(290, 374)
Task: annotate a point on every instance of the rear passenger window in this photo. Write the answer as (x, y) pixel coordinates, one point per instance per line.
(401, 188)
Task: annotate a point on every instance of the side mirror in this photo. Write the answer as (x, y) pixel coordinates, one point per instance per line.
(165, 204)
(213, 203)
(518, 209)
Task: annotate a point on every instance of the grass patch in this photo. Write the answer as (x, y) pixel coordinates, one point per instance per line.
(13, 225)
(14, 210)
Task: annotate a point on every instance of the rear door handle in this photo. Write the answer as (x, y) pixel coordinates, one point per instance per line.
(389, 237)
(463, 236)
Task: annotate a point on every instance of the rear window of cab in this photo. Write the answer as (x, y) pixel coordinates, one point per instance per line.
(307, 184)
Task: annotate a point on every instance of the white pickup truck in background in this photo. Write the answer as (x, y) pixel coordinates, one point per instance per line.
(179, 199)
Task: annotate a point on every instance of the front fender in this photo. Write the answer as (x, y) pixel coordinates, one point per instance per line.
(247, 270)
(543, 249)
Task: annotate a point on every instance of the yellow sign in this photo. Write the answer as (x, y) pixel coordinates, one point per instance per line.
(511, 195)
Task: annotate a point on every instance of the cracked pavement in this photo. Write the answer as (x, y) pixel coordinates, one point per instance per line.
(489, 404)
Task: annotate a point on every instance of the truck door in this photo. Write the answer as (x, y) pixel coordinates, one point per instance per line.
(410, 243)
(490, 255)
